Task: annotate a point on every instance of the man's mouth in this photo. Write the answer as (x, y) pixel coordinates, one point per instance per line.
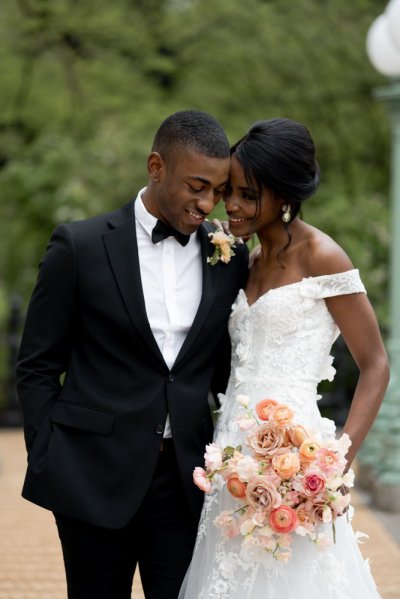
(196, 215)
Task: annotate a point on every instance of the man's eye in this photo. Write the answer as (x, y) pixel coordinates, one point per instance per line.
(195, 188)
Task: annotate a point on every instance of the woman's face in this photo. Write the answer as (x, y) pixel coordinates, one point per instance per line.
(241, 204)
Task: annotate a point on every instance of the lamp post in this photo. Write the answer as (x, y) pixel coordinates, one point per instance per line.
(381, 452)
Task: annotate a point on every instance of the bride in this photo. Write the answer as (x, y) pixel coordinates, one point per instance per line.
(302, 292)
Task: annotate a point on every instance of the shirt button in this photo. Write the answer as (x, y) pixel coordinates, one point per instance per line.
(171, 378)
(159, 429)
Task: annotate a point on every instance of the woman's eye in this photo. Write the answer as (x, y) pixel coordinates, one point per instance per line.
(248, 196)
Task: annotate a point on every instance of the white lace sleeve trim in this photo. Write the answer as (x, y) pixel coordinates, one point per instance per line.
(341, 283)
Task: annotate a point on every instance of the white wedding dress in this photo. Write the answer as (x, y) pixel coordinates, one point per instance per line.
(281, 350)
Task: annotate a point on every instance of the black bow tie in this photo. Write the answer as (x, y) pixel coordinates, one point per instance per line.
(162, 231)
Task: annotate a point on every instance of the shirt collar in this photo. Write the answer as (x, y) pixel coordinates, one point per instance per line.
(142, 215)
(147, 220)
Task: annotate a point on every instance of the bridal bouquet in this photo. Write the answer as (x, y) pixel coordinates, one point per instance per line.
(288, 482)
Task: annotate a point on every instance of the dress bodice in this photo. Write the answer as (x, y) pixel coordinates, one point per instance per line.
(288, 332)
(281, 343)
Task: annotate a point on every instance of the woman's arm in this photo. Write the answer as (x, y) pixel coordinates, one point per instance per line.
(358, 325)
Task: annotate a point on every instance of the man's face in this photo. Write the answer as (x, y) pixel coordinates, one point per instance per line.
(185, 189)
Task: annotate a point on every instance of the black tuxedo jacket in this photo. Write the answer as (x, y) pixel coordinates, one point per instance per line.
(93, 434)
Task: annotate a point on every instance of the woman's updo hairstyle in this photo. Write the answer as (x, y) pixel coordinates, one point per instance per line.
(279, 154)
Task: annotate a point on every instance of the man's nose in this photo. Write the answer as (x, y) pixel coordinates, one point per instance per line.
(208, 200)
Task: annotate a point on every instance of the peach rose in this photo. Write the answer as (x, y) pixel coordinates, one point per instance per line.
(308, 450)
(262, 495)
(282, 415)
(313, 483)
(201, 479)
(267, 440)
(283, 519)
(235, 486)
(286, 464)
(265, 407)
(297, 434)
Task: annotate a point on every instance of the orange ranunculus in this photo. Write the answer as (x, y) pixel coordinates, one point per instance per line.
(283, 519)
(309, 449)
(282, 415)
(265, 407)
(235, 486)
(286, 464)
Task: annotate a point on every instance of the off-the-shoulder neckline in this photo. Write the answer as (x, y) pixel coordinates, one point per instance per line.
(336, 274)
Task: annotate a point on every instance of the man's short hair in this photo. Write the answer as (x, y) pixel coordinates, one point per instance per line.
(191, 130)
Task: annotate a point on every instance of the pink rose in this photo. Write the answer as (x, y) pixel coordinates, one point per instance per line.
(267, 440)
(313, 483)
(235, 486)
(283, 519)
(201, 479)
(262, 494)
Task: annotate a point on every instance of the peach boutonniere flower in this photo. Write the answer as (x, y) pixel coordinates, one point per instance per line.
(224, 244)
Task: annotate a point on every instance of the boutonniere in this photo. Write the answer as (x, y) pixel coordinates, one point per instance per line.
(224, 244)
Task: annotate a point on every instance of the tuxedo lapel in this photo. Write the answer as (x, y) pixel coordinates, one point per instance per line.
(121, 247)
(209, 287)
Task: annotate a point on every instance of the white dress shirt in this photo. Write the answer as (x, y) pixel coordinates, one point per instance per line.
(172, 285)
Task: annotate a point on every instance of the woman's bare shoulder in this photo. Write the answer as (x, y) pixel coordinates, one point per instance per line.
(323, 255)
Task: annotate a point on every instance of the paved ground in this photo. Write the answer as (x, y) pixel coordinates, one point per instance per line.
(30, 557)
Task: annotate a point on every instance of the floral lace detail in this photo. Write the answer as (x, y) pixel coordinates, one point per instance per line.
(280, 349)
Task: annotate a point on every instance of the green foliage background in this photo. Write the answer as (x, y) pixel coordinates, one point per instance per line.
(85, 84)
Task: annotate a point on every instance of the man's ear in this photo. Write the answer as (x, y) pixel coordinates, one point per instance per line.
(155, 167)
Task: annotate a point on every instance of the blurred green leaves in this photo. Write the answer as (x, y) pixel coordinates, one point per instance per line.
(85, 84)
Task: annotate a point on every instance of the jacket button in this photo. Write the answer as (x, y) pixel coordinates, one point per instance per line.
(171, 378)
(159, 429)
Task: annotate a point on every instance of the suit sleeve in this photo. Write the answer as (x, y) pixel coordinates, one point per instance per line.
(47, 338)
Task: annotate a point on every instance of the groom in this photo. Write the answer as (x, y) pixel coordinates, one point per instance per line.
(125, 335)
